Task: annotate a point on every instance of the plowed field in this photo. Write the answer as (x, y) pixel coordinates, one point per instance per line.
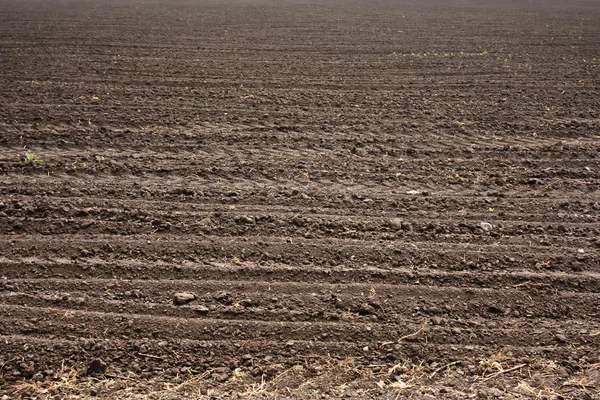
(367, 199)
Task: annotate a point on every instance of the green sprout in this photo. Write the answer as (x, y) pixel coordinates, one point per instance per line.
(31, 158)
(460, 124)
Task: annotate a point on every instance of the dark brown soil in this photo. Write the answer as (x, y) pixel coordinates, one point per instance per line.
(368, 199)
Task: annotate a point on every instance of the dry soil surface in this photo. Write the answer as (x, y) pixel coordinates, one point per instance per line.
(366, 199)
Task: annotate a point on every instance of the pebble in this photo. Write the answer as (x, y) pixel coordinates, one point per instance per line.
(486, 226)
(182, 298)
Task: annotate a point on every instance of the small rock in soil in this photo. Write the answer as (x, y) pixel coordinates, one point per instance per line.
(182, 298)
(96, 367)
(486, 226)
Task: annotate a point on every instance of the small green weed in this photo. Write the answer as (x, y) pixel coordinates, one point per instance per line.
(31, 158)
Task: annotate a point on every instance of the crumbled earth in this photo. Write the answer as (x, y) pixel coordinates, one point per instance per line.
(299, 199)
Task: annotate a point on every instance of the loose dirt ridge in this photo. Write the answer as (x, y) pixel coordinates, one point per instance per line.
(369, 200)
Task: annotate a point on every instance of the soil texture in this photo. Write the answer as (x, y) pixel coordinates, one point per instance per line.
(299, 199)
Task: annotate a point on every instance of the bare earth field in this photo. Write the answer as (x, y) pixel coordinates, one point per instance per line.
(378, 200)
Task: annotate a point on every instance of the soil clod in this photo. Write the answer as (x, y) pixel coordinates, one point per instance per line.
(97, 366)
